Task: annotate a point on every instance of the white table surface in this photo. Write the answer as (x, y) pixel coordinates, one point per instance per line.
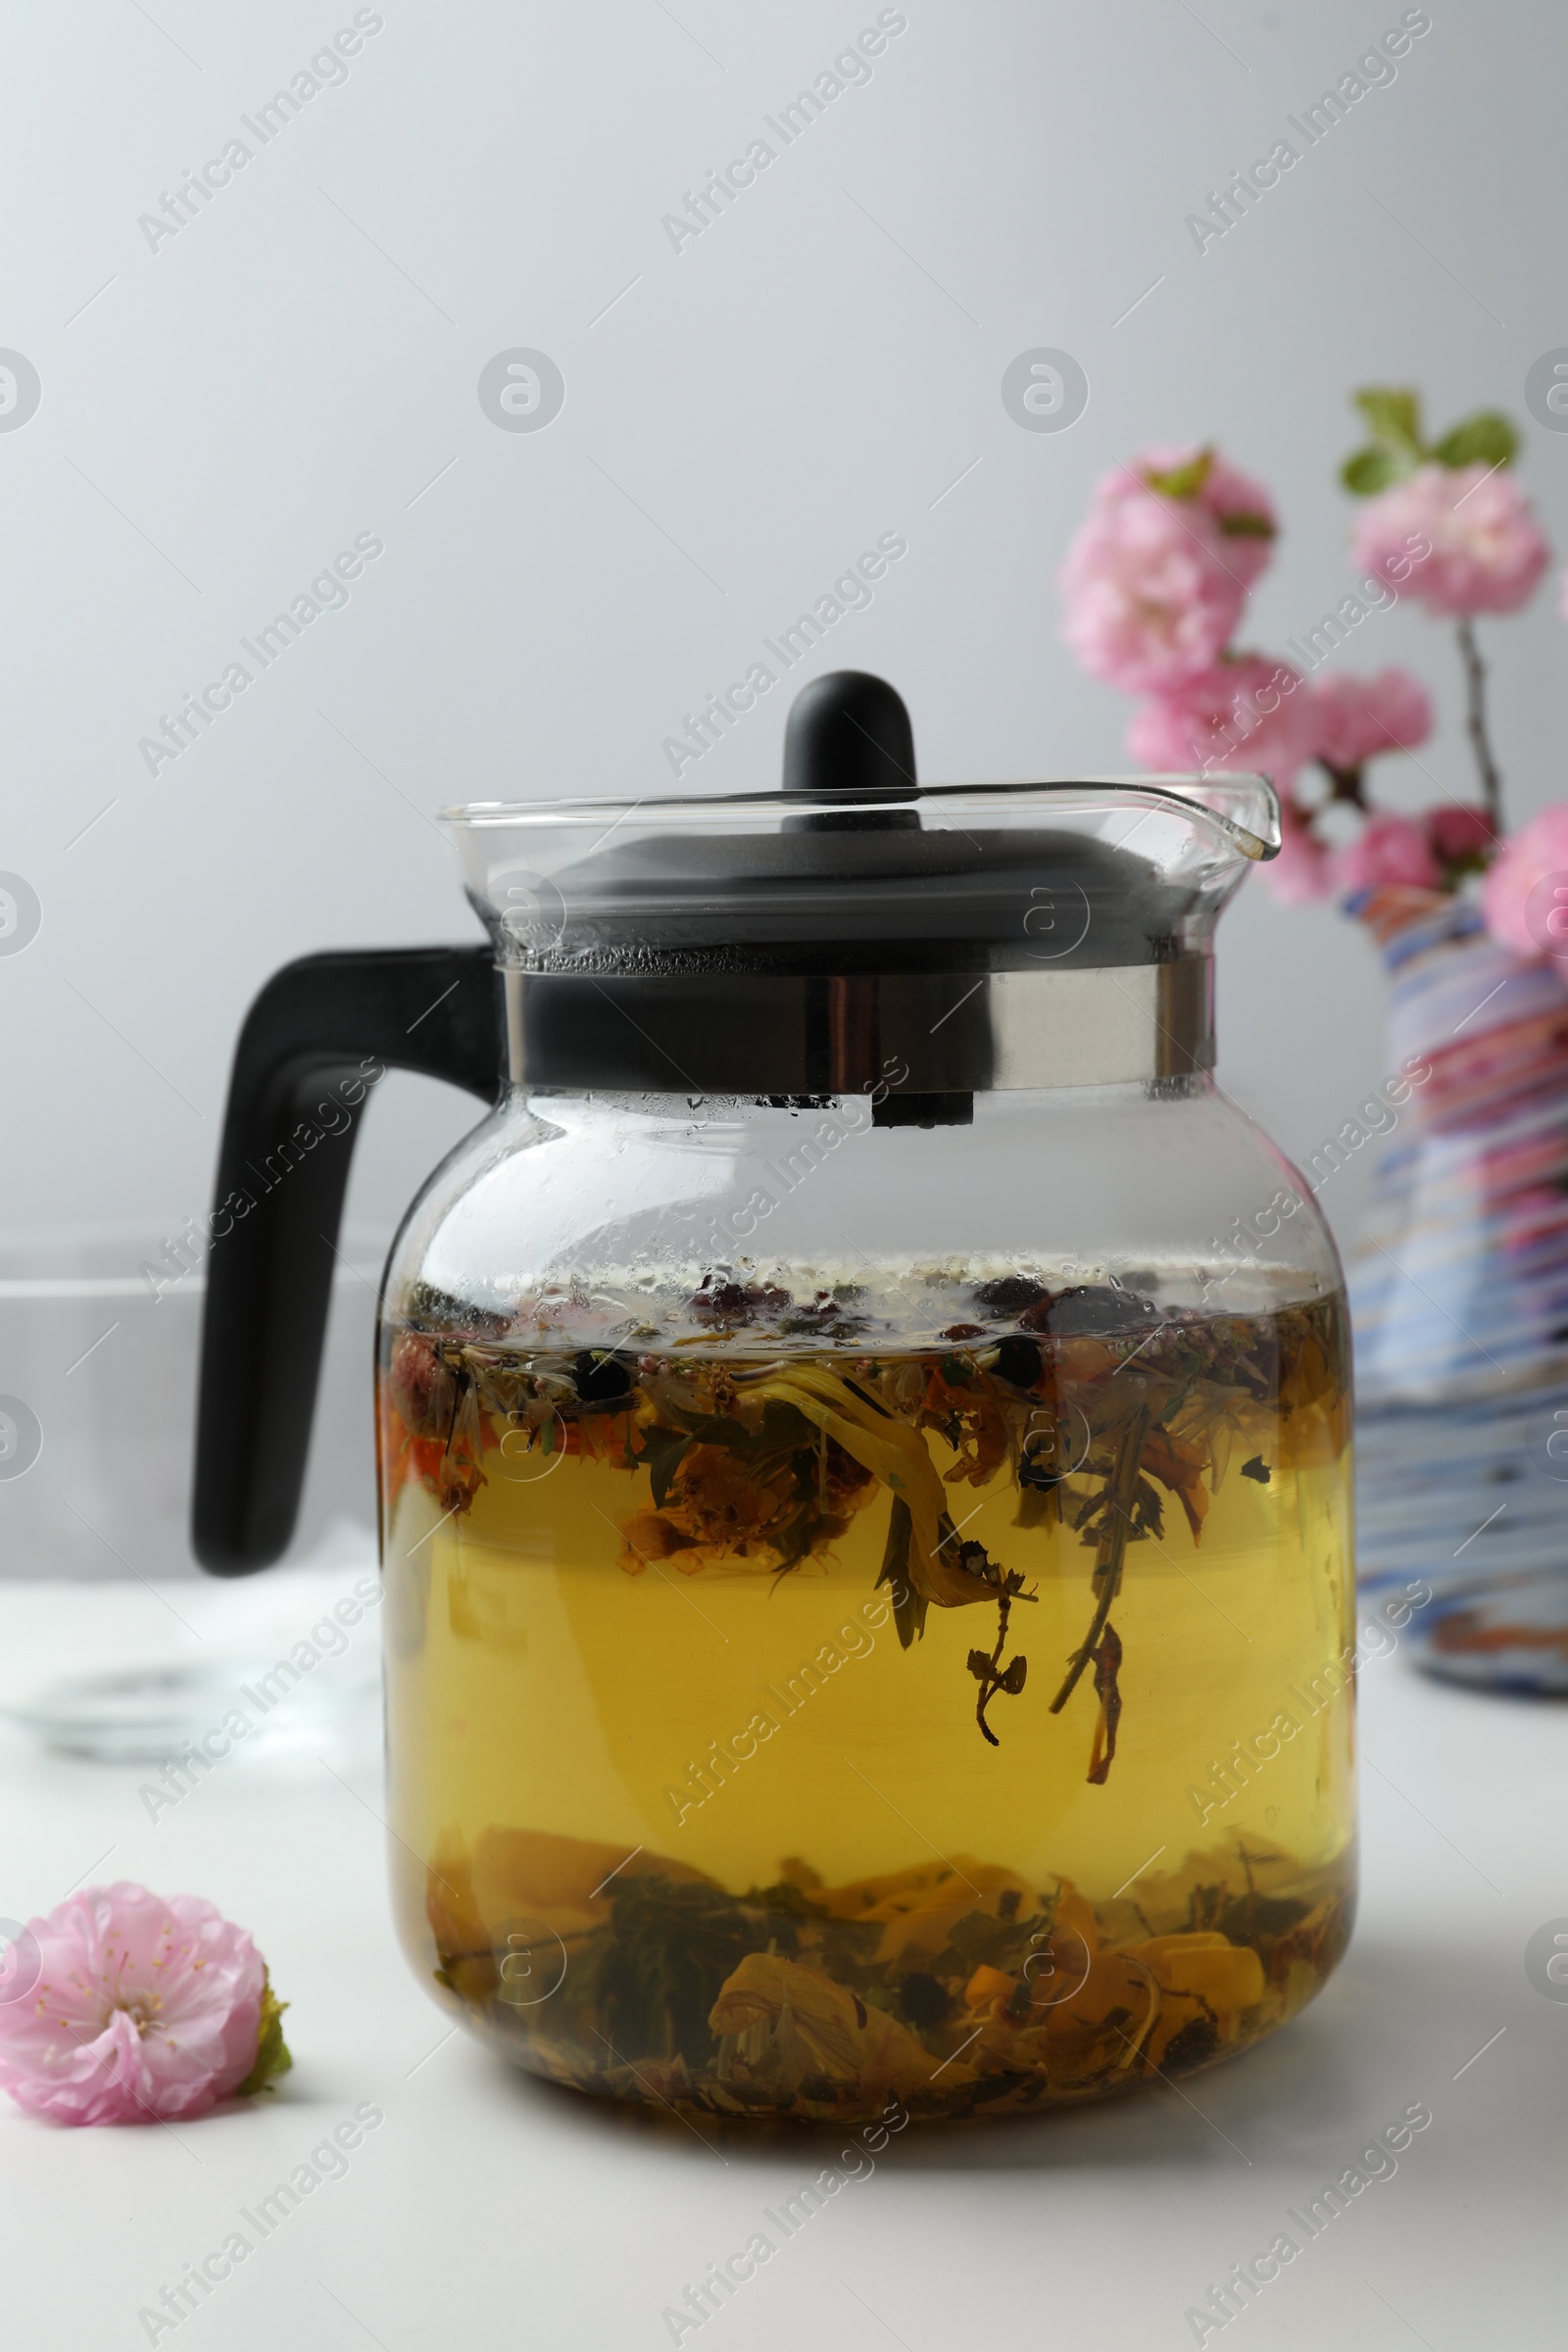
(491, 2210)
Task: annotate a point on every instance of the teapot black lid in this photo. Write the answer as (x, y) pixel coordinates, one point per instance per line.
(853, 866)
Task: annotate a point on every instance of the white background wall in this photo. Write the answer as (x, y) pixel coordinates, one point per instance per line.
(301, 360)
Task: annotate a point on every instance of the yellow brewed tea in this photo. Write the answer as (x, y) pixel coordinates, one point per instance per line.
(784, 1718)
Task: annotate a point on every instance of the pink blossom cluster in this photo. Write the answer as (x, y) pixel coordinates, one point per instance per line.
(1245, 701)
(1155, 586)
(1154, 583)
(1524, 895)
(1411, 851)
(1358, 717)
(1417, 852)
(1488, 550)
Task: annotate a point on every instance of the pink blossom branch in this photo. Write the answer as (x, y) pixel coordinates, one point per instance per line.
(1347, 783)
(1475, 679)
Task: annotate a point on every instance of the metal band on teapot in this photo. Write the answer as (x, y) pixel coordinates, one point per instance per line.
(754, 1033)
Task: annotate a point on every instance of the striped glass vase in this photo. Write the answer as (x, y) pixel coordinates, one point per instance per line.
(1460, 1302)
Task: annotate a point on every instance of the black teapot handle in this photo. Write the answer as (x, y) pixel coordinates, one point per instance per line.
(315, 1043)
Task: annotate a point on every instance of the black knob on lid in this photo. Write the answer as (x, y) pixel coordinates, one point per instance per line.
(848, 734)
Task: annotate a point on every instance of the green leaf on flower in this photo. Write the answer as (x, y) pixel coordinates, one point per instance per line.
(1184, 481)
(272, 2054)
(1246, 527)
(1394, 415)
(1374, 468)
(1485, 439)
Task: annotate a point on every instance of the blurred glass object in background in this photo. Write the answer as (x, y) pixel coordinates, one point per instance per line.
(100, 1329)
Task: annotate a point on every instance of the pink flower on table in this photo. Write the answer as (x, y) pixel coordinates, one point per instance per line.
(125, 2007)
(1247, 713)
(1459, 833)
(1150, 590)
(1524, 895)
(1358, 717)
(1485, 550)
(1388, 849)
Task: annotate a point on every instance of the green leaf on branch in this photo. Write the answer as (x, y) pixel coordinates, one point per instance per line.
(1246, 527)
(1375, 469)
(1485, 439)
(1394, 415)
(1184, 481)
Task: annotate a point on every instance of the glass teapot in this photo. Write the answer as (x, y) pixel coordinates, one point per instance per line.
(864, 1440)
